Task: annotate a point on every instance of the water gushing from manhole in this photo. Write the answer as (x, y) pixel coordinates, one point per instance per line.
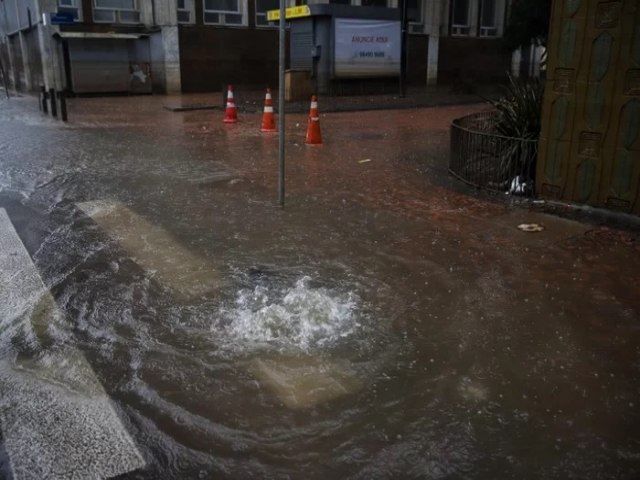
(300, 318)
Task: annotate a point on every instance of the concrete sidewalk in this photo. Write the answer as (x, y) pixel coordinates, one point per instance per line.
(252, 100)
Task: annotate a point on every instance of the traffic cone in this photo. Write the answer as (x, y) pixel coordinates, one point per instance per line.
(268, 118)
(313, 125)
(231, 115)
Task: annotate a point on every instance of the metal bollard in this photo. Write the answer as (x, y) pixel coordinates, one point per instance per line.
(43, 107)
(54, 106)
(63, 105)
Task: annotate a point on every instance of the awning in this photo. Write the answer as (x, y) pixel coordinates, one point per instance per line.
(112, 35)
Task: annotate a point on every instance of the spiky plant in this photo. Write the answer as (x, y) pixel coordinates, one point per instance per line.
(518, 114)
(519, 109)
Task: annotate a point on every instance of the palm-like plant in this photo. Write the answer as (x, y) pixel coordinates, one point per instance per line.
(517, 116)
(519, 109)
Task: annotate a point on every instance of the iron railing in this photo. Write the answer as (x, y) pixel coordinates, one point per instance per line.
(488, 160)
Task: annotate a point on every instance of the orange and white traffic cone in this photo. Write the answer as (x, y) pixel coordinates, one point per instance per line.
(231, 115)
(268, 118)
(313, 125)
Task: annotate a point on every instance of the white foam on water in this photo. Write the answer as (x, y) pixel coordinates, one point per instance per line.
(301, 317)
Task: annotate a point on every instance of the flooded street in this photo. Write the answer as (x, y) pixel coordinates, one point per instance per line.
(387, 323)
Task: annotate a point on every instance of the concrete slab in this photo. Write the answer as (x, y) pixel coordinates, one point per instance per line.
(304, 382)
(191, 108)
(56, 419)
(155, 249)
(211, 178)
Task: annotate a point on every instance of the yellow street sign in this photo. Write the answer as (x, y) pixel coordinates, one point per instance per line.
(291, 12)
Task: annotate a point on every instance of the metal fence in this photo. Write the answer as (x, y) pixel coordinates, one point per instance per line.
(488, 160)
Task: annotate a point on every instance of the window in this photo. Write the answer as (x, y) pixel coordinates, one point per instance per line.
(224, 12)
(115, 11)
(185, 11)
(70, 7)
(414, 10)
(460, 17)
(262, 6)
(488, 20)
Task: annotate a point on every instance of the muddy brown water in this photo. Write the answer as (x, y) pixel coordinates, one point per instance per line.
(385, 324)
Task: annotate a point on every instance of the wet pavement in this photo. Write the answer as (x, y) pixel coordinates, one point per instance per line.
(387, 323)
(251, 99)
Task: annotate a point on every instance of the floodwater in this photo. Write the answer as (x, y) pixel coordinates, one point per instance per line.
(385, 324)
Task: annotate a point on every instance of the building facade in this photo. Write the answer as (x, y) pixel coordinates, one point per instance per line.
(144, 46)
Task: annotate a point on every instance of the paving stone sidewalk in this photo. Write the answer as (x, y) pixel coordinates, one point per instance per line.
(252, 100)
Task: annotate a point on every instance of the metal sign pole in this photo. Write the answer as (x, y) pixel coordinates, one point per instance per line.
(281, 106)
(403, 49)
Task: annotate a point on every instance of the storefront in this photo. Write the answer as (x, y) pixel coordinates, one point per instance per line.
(107, 62)
(346, 48)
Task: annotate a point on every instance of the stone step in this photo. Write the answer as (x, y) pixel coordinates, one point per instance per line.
(56, 419)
